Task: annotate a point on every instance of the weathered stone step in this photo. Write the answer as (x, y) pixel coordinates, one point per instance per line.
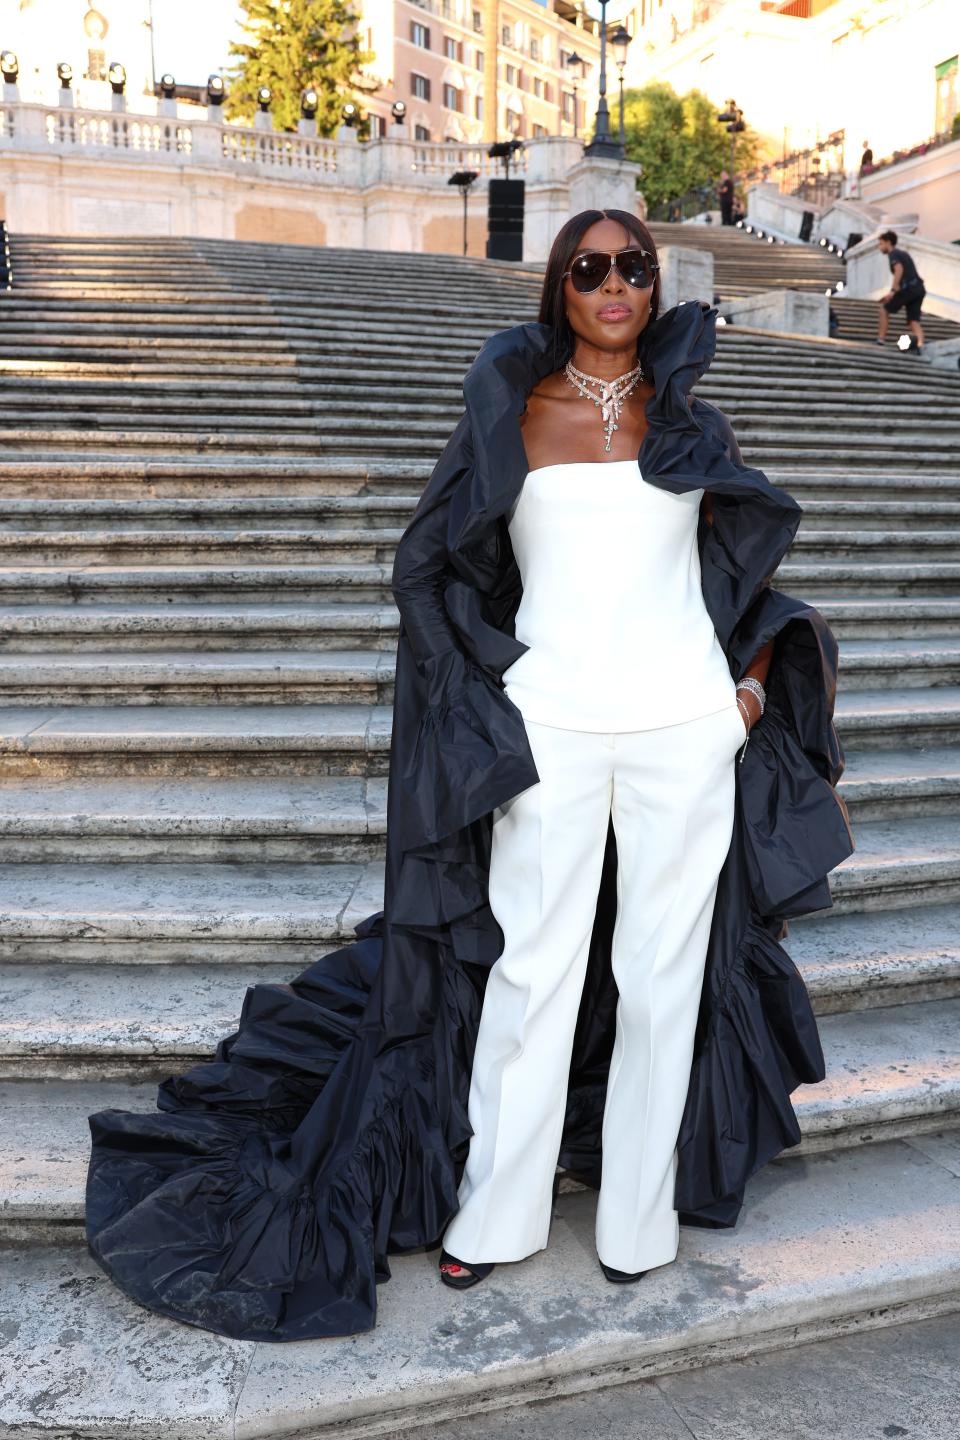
(892, 719)
(894, 617)
(143, 913)
(120, 517)
(889, 784)
(876, 959)
(321, 819)
(906, 663)
(188, 478)
(213, 741)
(140, 677)
(273, 910)
(875, 546)
(784, 1276)
(900, 863)
(180, 617)
(322, 545)
(865, 576)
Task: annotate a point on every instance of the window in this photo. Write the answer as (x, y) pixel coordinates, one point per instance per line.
(510, 74)
(420, 34)
(453, 49)
(478, 107)
(478, 59)
(947, 95)
(568, 106)
(419, 86)
(547, 91)
(96, 65)
(451, 97)
(539, 132)
(506, 35)
(378, 127)
(538, 87)
(478, 21)
(534, 47)
(448, 9)
(421, 132)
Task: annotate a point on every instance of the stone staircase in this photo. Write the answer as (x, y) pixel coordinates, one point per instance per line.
(210, 452)
(747, 265)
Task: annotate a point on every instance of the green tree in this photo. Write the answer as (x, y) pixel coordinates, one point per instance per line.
(679, 141)
(291, 45)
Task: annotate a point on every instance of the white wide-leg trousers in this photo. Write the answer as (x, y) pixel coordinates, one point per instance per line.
(671, 792)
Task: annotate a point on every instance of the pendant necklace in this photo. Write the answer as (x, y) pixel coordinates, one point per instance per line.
(612, 393)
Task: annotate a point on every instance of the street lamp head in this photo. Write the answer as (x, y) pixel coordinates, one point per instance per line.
(65, 74)
(216, 90)
(168, 85)
(9, 66)
(349, 113)
(575, 63)
(309, 103)
(264, 96)
(399, 111)
(619, 41)
(117, 75)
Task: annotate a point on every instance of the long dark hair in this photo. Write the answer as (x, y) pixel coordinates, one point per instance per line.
(553, 310)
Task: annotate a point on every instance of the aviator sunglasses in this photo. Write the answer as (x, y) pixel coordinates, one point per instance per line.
(590, 269)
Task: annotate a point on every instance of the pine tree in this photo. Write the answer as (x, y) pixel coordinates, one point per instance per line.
(291, 45)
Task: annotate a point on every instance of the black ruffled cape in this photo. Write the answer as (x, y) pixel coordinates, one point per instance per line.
(262, 1199)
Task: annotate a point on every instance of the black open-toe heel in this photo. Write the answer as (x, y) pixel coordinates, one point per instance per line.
(474, 1273)
(621, 1277)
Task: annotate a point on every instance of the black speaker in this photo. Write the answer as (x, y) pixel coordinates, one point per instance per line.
(853, 238)
(806, 225)
(505, 199)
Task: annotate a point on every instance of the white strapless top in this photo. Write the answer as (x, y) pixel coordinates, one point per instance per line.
(612, 607)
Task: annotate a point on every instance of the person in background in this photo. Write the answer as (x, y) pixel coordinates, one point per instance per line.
(725, 196)
(866, 159)
(906, 292)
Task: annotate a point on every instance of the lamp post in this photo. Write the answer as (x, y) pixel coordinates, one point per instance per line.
(575, 66)
(603, 143)
(619, 41)
(463, 180)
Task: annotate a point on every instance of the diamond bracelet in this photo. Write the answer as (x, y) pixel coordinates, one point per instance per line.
(749, 682)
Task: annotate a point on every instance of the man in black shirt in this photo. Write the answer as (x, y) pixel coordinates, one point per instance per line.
(725, 196)
(906, 292)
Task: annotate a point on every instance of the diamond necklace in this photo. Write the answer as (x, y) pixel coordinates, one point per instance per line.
(612, 393)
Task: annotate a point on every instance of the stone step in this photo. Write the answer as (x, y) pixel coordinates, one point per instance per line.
(790, 1273)
(865, 551)
(898, 617)
(128, 677)
(120, 518)
(142, 911)
(897, 742)
(877, 959)
(190, 478)
(328, 818)
(320, 546)
(321, 819)
(866, 577)
(289, 677)
(211, 741)
(89, 626)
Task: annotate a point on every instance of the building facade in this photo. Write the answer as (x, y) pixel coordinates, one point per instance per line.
(876, 71)
(435, 56)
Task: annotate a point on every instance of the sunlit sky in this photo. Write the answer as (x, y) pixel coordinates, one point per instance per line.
(192, 37)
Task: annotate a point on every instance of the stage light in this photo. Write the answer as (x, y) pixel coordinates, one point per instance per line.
(839, 254)
(264, 96)
(839, 286)
(721, 320)
(830, 249)
(823, 240)
(749, 229)
(399, 111)
(739, 224)
(828, 293)
(216, 90)
(117, 75)
(65, 75)
(759, 234)
(9, 66)
(770, 240)
(349, 113)
(904, 342)
(309, 103)
(168, 86)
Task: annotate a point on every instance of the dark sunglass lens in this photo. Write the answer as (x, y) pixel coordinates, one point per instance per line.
(634, 266)
(589, 270)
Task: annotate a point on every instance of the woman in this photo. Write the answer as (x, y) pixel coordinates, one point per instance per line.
(263, 1198)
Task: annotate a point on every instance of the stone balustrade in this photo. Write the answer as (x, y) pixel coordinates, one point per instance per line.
(74, 171)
